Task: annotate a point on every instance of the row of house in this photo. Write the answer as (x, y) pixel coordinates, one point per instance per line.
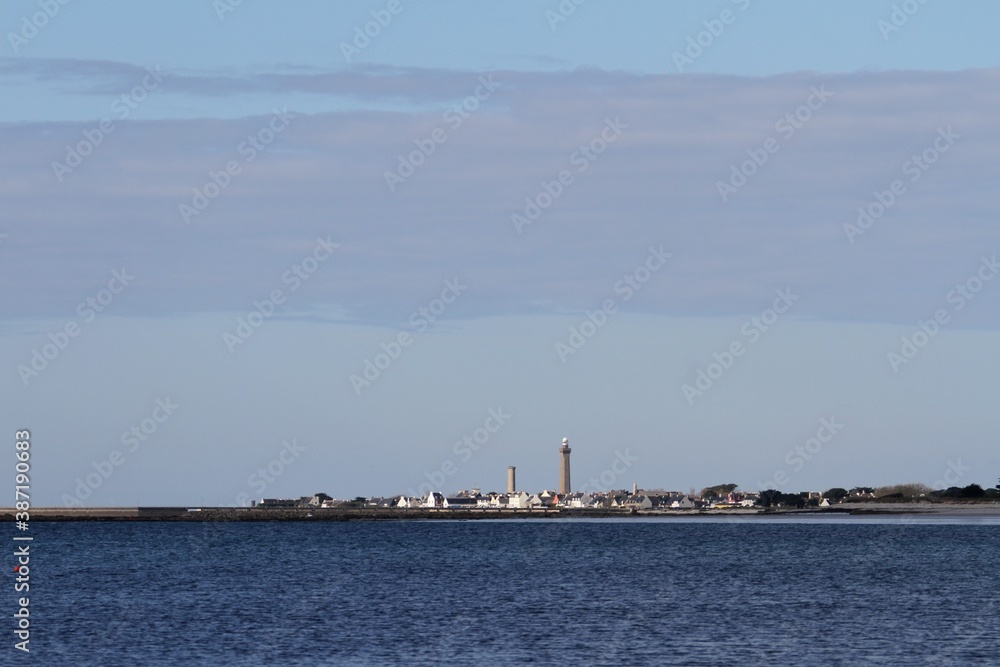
(545, 499)
(474, 499)
(519, 500)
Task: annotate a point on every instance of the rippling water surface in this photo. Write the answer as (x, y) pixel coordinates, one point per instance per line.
(553, 592)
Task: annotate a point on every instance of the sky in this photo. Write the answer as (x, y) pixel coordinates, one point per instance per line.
(372, 248)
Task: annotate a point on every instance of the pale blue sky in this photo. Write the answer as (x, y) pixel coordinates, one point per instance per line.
(836, 110)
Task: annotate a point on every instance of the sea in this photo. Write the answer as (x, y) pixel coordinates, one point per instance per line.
(786, 591)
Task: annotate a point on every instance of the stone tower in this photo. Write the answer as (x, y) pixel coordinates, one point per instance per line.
(511, 484)
(564, 484)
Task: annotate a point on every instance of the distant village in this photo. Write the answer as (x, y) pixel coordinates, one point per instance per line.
(720, 497)
(638, 499)
(654, 499)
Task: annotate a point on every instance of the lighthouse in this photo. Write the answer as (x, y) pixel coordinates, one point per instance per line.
(564, 485)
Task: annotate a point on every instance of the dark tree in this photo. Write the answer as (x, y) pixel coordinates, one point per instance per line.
(973, 491)
(792, 500)
(718, 490)
(836, 493)
(770, 497)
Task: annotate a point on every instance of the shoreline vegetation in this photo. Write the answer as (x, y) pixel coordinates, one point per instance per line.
(989, 508)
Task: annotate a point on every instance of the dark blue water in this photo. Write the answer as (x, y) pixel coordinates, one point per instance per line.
(550, 592)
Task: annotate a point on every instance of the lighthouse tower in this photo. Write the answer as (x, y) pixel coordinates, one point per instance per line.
(564, 485)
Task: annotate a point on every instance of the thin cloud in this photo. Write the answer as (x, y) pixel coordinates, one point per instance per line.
(658, 184)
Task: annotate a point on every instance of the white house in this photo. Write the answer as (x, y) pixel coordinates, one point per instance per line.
(682, 503)
(517, 501)
(579, 500)
(499, 501)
